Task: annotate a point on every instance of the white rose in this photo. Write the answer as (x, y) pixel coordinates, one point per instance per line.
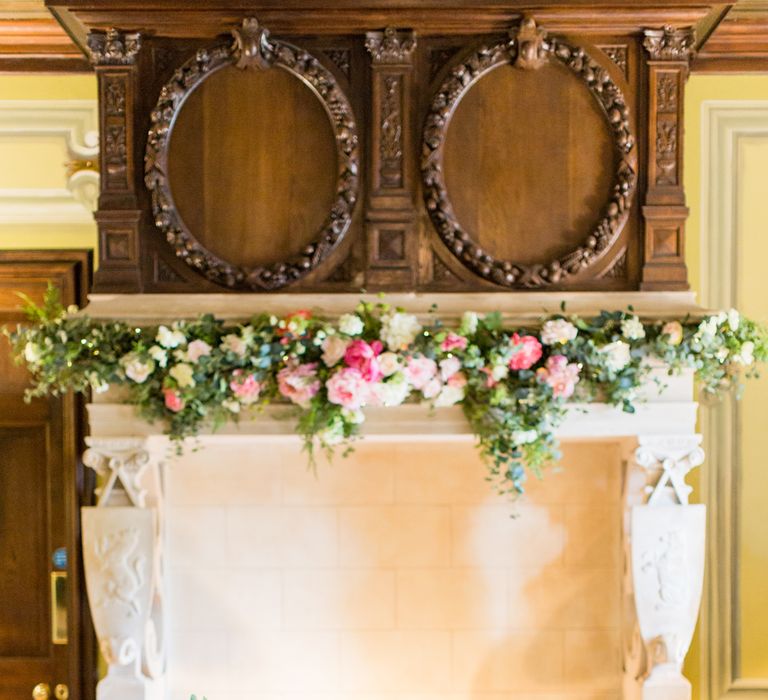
(432, 388)
(449, 396)
(170, 339)
(524, 437)
(72, 309)
(231, 405)
(722, 317)
(469, 321)
(393, 392)
(234, 343)
(673, 330)
(733, 320)
(198, 349)
(399, 330)
(558, 331)
(746, 357)
(182, 373)
(351, 324)
(632, 328)
(334, 348)
(355, 416)
(32, 353)
(708, 328)
(159, 355)
(722, 355)
(389, 363)
(499, 372)
(332, 435)
(135, 369)
(617, 355)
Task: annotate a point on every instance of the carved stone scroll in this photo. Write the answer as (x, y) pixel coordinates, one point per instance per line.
(669, 53)
(536, 47)
(390, 214)
(252, 47)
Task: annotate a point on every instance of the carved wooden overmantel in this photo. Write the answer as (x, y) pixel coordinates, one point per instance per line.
(309, 146)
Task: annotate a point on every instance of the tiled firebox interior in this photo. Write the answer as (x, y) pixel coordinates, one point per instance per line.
(392, 574)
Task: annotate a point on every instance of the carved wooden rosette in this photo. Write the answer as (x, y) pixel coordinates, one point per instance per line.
(390, 212)
(527, 48)
(113, 55)
(669, 52)
(252, 48)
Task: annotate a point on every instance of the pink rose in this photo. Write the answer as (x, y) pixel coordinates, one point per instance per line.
(457, 380)
(197, 349)
(448, 367)
(348, 388)
(363, 356)
(245, 386)
(299, 383)
(453, 342)
(527, 351)
(173, 400)
(419, 371)
(560, 375)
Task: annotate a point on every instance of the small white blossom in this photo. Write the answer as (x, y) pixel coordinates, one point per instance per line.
(499, 372)
(708, 328)
(733, 320)
(231, 405)
(632, 328)
(72, 309)
(722, 354)
(159, 355)
(449, 395)
(62, 336)
(32, 353)
(393, 392)
(355, 416)
(170, 338)
(721, 318)
(746, 357)
(135, 368)
(235, 344)
(558, 331)
(399, 330)
(617, 355)
(469, 321)
(182, 373)
(350, 324)
(524, 437)
(98, 385)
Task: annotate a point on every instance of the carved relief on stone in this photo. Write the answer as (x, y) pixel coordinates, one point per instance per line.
(666, 92)
(123, 570)
(113, 48)
(391, 46)
(120, 464)
(252, 47)
(391, 130)
(667, 460)
(670, 44)
(608, 95)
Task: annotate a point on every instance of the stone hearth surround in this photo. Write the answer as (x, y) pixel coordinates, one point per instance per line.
(395, 573)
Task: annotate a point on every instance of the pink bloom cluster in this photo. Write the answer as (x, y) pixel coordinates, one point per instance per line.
(351, 387)
(453, 342)
(299, 382)
(245, 386)
(173, 400)
(527, 351)
(561, 375)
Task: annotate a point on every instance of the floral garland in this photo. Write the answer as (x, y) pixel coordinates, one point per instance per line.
(513, 385)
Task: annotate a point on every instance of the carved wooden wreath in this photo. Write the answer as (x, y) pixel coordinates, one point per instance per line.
(252, 48)
(528, 48)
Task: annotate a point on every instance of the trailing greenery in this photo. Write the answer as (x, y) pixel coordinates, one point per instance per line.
(513, 384)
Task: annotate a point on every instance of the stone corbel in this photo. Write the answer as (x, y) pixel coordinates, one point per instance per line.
(664, 565)
(122, 552)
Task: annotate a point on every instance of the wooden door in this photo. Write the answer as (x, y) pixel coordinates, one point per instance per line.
(42, 486)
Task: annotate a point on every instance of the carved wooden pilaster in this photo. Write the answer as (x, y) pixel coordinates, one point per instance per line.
(113, 55)
(390, 214)
(669, 53)
(664, 566)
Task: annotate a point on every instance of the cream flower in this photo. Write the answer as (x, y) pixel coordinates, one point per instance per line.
(389, 363)
(333, 348)
(182, 373)
(198, 349)
(632, 328)
(469, 321)
(32, 353)
(170, 338)
(558, 330)
(673, 331)
(733, 320)
(135, 368)
(391, 393)
(159, 355)
(617, 355)
(746, 357)
(235, 344)
(399, 330)
(350, 324)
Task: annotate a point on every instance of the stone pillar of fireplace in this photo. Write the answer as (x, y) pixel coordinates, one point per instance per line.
(122, 552)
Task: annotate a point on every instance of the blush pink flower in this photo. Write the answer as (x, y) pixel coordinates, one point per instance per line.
(348, 388)
(245, 386)
(197, 349)
(432, 388)
(419, 371)
(453, 342)
(527, 351)
(448, 367)
(299, 383)
(363, 357)
(173, 400)
(561, 375)
(457, 380)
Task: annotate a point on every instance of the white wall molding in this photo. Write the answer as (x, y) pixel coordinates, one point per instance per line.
(75, 122)
(724, 124)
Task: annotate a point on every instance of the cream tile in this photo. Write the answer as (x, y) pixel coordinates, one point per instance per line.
(451, 598)
(396, 661)
(593, 659)
(494, 661)
(386, 536)
(197, 663)
(564, 598)
(282, 536)
(593, 536)
(196, 536)
(490, 537)
(352, 599)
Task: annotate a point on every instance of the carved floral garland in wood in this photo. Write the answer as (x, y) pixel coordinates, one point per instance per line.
(252, 49)
(528, 48)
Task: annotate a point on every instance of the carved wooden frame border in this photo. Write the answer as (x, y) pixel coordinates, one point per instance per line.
(252, 48)
(527, 48)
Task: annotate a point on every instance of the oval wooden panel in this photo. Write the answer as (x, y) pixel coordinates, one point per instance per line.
(529, 162)
(252, 165)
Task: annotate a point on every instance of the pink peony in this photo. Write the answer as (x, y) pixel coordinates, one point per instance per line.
(560, 375)
(363, 356)
(173, 400)
(527, 351)
(245, 386)
(419, 371)
(197, 349)
(299, 383)
(348, 388)
(453, 342)
(457, 380)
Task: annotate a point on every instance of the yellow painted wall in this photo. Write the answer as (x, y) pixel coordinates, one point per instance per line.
(41, 163)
